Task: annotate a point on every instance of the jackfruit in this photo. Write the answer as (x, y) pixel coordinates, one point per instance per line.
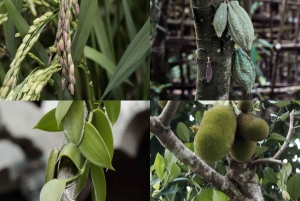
(245, 106)
(242, 150)
(252, 128)
(216, 133)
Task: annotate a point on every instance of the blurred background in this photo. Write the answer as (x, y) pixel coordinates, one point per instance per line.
(24, 152)
(275, 51)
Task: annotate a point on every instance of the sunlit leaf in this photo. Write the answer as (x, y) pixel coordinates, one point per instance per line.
(48, 122)
(113, 110)
(99, 182)
(53, 190)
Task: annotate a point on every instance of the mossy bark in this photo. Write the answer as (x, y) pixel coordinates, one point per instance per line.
(219, 50)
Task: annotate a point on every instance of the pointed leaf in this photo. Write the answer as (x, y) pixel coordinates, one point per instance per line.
(72, 152)
(48, 122)
(82, 179)
(275, 136)
(293, 187)
(113, 110)
(220, 196)
(53, 190)
(93, 147)
(99, 182)
(73, 122)
(131, 59)
(61, 110)
(174, 171)
(100, 122)
(206, 195)
(50, 168)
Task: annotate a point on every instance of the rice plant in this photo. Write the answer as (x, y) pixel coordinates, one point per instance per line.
(70, 49)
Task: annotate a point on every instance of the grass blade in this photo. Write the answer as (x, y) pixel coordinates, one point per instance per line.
(137, 49)
(129, 22)
(87, 12)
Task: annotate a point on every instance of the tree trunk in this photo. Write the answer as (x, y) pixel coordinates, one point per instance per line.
(219, 50)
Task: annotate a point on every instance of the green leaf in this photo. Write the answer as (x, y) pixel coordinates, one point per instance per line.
(169, 159)
(284, 116)
(53, 190)
(174, 171)
(293, 187)
(183, 132)
(199, 116)
(50, 168)
(159, 165)
(84, 26)
(113, 110)
(100, 122)
(82, 179)
(72, 152)
(280, 103)
(23, 28)
(275, 136)
(93, 147)
(61, 110)
(48, 122)
(100, 59)
(73, 122)
(220, 196)
(99, 183)
(270, 175)
(206, 195)
(260, 150)
(131, 59)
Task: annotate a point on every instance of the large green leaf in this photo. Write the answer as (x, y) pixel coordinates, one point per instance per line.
(293, 187)
(93, 147)
(270, 175)
(100, 122)
(113, 110)
(206, 195)
(131, 59)
(73, 122)
(159, 165)
(53, 190)
(100, 59)
(50, 168)
(220, 196)
(85, 24)
(48, 122)
(99, 182)
(129, 22)
(23, 28)
(70, 151)
(183, 132)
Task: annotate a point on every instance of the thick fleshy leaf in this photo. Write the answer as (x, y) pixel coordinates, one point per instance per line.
(61, 110)
(73, 122)
(99, 182)
(72, 152)
(82, 179)
(113, 110)
(53, 190)
(93, 147)
(50, 168)
(48, 122)
(100, 122)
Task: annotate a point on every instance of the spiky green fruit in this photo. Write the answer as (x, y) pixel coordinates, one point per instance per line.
(251, 127)
(216, 133)
(242, 150)
(245, 106)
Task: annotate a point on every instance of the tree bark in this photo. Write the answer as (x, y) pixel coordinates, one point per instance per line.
(219, 50)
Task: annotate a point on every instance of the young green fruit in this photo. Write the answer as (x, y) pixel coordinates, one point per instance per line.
(251, 127)
(216, 133)
(242, 150)
(245, 106)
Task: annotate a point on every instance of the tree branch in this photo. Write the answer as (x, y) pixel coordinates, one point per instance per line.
(266, 161)
(168, 139)
(288, 137)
